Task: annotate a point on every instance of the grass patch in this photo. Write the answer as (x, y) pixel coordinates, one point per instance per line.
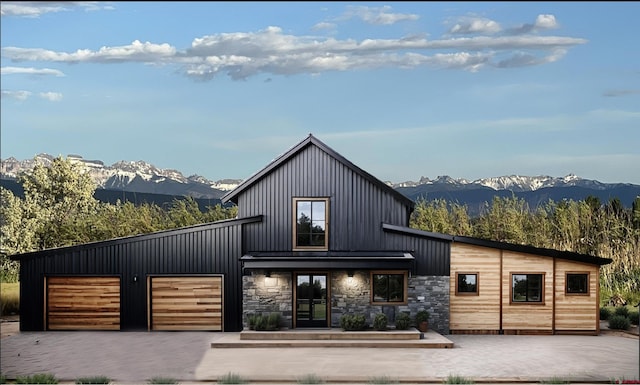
(39, 378)
(9, 298)
(162, 380)
(94, 380)
(382, 380)
(231, 378)
(310, 379)
(455, 379)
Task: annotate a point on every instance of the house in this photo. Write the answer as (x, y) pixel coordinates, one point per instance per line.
(316, 237)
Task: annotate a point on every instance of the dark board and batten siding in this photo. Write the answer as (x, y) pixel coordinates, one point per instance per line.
(357, 207)
(206, 249)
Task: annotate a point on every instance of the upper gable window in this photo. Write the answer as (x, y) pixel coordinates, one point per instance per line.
(311, 227)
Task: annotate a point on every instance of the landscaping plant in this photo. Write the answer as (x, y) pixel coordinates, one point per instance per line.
(353, 322)
(40, 378)
(94, 380)
(403, 321)
(162, 380)
(310, 379)
(231, 378)
(619, 322)
(380, 322)
(382, 380)
(455, 379)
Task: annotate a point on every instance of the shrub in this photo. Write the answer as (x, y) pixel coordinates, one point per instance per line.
(353, 322)
(421, 316)
(380, 321)
(162, 380)
(605, 313)
(633, 317)
(619, 322)
(403, 320)
(382, 380)
(231, 378)
(310, 379)
(622, 310)
(454, 379)
(555, 380)
(263, 322)
(40, 378)
(93, 380)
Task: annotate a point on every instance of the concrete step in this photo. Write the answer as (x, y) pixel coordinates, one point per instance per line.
(330, 334)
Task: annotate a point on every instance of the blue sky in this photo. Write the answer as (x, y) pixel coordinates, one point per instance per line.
(403, 90)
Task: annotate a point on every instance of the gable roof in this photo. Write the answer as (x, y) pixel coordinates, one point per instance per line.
(568, 255)
(313, 141)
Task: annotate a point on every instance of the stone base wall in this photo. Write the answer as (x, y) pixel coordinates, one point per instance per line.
(348, 295)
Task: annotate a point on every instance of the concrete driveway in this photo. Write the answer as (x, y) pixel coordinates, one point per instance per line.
(135, 357)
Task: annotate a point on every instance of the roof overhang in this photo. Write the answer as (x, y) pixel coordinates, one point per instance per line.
(396, 260)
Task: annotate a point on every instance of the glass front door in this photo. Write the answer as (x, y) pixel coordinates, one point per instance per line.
(311, 300)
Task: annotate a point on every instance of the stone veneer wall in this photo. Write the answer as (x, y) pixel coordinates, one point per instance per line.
(348, 296)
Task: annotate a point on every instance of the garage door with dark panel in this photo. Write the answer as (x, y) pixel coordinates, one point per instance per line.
(185, 303)
(83, 303)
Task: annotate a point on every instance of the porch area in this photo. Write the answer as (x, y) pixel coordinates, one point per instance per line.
(334, 338)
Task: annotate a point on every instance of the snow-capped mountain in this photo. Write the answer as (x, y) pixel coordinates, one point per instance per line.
(141, 177)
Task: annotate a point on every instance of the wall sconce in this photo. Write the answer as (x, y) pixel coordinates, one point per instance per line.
(268, 274)
(135, 278)
(350, 273)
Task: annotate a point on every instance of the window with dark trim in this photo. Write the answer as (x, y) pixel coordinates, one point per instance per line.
(527, 288)
(577, 283)
(311, 223)
(389, 287)
(466, 283)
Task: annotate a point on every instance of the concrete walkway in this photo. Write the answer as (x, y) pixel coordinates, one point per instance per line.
(135, 357)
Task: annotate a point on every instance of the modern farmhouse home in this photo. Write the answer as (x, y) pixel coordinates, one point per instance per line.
(316, 237)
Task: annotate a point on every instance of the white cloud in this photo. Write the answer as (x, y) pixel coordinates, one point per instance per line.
(469, 25)
(240, 55)
(323, 25)
(51, 96)
(18, 95)
(37, 8)
(546, 22)
(377, 15)
(30, 71)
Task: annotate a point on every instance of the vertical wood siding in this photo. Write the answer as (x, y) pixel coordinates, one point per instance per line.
(212, 249)
(357, 208)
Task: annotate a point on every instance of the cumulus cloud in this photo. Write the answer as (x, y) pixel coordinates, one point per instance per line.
(542, 22)
(18, 95)
(51, 96)
(377, 15)
(472, 25)
(270, 51)
(37, 8)
(30, 71)
(323, 25)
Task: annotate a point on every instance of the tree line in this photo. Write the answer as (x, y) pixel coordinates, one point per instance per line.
(59, 209)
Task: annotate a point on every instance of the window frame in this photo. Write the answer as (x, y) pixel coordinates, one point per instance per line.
(295, 246)
(527, 302)
(405, 284)
(472, 293)
(566, 282)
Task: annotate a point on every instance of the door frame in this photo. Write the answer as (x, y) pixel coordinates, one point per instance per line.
(295, 295)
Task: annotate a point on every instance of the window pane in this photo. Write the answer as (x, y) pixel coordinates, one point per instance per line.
(396, 288)
(577, 283)
(318, 226)
(304, 210)
(467, 283)
(317, 240)
(380, 287)
(519, 288)
(534, 287)
(318, 209)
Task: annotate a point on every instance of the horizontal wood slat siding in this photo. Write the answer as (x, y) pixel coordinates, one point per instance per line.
(576, 312)
(83, 303)
(526, 316)
(482, 311)
(186, 303)
(357, 207)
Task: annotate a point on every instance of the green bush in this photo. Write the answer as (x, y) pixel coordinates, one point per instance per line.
(93, 380)
(231, 378)
(421, 316)
(454, 379)
(619, 322)
(555, 380)
(40, 378)
(262, 322)
(622, 310)
(310, 379)
(162, 380)
(382, 380)
(633, 317)
(380, 322)
(403, 321)
(353, 322)
(605, 313)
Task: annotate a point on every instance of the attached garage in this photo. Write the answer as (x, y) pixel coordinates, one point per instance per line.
(185, 303)
(83, 303)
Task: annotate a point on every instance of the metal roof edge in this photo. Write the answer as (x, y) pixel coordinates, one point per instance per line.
(415, 232)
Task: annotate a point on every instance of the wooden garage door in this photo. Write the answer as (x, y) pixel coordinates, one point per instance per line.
(186, 303)
(83, 303)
